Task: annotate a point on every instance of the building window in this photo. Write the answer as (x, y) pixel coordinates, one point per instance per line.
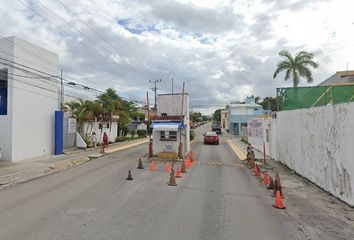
(172, 135)
(163, 135)
(3, 91)
(168, 135)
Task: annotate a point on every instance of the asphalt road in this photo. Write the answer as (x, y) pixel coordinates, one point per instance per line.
(217, 199)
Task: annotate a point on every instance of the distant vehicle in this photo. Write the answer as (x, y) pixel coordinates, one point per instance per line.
(216, 128)
(211, 137)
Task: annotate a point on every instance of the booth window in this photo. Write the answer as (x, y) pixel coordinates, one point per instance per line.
(168, 135)
(3, 91)
(172, 135)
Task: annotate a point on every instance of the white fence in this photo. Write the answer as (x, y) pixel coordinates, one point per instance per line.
(318, 143)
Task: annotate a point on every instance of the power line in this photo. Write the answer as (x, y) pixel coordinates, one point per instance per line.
(74, 14)
(71, 84)
(30, 53)
(90, 39)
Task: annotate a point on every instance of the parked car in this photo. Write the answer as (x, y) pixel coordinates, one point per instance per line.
(216, 128)
(211, 137)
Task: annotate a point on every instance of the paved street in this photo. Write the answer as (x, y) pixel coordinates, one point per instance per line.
(216, 199)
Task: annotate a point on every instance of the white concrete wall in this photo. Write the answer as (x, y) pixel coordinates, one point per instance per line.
(243, 109)
(223, 119)
(172, 105)
(257, 136)
(318, 143)
(94, 127)
(33, 102)
(238, 110)
(273, 139)
(6, 51)
(164, 146)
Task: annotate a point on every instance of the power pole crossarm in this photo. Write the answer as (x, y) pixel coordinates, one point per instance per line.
(155, 90)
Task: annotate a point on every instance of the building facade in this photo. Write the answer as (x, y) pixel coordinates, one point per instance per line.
(239, 113)
(223, 119)
(29, 97)
(171, 125)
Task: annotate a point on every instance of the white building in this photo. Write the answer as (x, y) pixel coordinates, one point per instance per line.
(223, 119)
(110, 128)
(239, 114)
(29, 97)
(171, 125)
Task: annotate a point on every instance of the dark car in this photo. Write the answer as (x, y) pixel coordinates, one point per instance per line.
(216, 128)
(211, 137)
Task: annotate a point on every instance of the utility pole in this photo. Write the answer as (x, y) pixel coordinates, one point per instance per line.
(61, 90)
(172, 85)
(155, 90)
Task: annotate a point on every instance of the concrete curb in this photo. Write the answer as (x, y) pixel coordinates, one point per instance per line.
(64, 165)
(113, 150)
(236, 150)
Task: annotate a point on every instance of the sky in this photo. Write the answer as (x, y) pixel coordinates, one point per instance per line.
(224, 50)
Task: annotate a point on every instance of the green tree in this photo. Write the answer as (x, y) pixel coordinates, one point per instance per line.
(217, 115)
(78, 110)
(269, 103)
(296, 67)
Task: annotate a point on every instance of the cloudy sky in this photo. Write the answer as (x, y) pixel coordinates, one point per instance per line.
(224, 50)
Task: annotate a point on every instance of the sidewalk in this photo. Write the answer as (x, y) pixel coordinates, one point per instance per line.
(12, 173)
(317, 213)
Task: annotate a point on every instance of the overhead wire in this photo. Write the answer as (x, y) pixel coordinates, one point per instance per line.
(87, 37)
(68, 83)
(61, 29)
(74, 14)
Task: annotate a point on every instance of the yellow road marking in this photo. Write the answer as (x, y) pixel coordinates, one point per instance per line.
(120, 148)
(236, 150)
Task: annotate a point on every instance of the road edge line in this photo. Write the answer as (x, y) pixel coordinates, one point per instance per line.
(236, 150)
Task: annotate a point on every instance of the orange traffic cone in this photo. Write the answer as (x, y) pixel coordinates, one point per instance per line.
(178, 173)
(152, 166)
(187, 164)
(172, 181)
(271, 184)
(183, 168)
(129, 178)
(167, 167)
(277, 185)
(140, 164)
(265, 179)
(278, 202)
(256, 170)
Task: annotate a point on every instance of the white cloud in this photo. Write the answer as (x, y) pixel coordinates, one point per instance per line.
(223, 49)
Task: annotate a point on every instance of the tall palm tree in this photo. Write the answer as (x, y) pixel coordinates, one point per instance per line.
(296, 67)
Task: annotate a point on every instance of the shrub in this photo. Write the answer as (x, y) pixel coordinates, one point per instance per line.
(191, 135)
(133, 132)
(141, 133)
(120, 139)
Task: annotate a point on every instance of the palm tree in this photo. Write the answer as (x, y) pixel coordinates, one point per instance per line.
(296, 67)
(78, 110)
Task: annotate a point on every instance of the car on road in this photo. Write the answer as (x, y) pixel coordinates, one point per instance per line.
(211, 137)
(216, 128)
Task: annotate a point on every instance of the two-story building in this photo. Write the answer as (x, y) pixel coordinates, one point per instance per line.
(239, 113)
(223, 119)
(29, 97)
(170, 126)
